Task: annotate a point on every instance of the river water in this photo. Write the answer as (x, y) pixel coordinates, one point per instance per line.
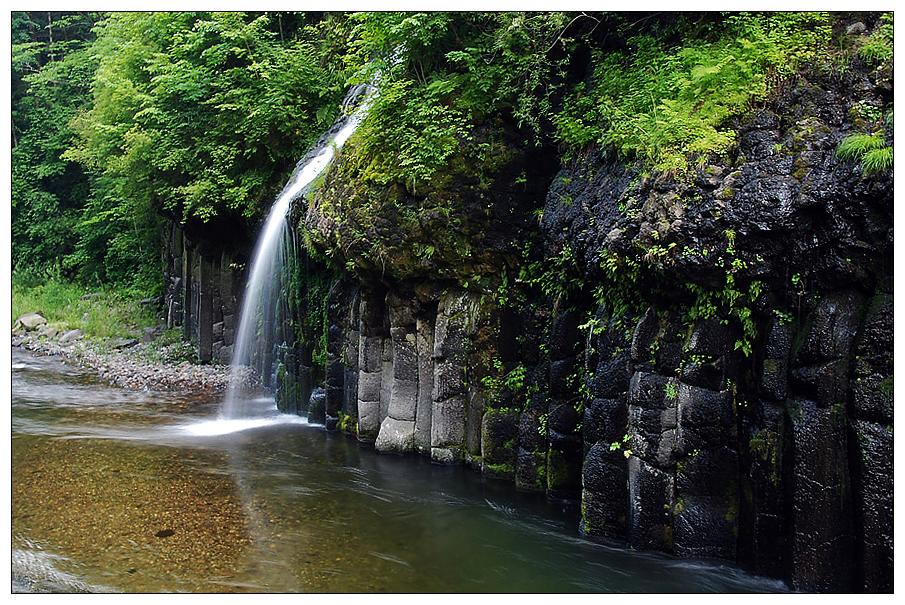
(116, 490)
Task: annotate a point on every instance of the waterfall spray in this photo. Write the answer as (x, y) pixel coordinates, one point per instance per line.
(260, 329)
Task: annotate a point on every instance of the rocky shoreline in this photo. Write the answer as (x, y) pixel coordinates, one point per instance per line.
(133, 366)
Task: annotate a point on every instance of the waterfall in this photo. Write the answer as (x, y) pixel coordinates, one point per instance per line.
(260, 329)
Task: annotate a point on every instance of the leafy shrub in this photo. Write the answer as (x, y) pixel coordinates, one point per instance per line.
(50, 85)
(442, 74)
(663, 104)
(203, 114)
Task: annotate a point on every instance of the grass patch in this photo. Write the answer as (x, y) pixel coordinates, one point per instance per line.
(870, 150)
(105, 313)
(878, 48)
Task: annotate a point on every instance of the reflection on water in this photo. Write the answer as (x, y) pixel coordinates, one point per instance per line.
(148, 492)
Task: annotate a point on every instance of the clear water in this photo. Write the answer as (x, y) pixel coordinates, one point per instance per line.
(128, 491)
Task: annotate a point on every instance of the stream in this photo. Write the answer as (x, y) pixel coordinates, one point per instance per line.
(125, 491)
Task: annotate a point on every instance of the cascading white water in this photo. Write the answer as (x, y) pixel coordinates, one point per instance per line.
(258, 324)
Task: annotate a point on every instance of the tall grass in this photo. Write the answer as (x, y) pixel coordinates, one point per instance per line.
(868, 149)
(104, 313)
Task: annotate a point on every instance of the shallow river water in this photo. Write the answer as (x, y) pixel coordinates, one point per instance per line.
(141, 492)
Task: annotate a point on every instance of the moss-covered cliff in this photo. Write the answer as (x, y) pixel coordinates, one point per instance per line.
(661, 285)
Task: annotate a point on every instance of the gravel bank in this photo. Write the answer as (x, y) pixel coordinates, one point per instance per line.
(141, 366)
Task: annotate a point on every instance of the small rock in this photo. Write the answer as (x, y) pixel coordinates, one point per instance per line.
(30, 321)
(48, 331)
(123, 343)
(148, 334)
(855, 29)
(165, 533)
(70, 336)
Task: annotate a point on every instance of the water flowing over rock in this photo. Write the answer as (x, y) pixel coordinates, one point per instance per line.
(586, 350)
(261, 328)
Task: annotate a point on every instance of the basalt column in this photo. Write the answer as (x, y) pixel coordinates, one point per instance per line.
(821, 486)
(564, 455)
(456, 316)
(424, 343)
(652, 429)
(500, 421)
(604, 495)
(201, 294)
(871, 426)
(397, 430)
(174, 282)
(765, 544)
(531, 457)
(373, 342)
(706, 510)
(350, 356)
(334, 382)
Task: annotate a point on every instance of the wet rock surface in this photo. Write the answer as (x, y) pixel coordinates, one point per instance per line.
(703, 362)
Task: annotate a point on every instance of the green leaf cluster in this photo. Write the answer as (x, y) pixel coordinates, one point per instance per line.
(878, 48)
(202, 114)
(51, 75)
(663, 104)
(441, 75)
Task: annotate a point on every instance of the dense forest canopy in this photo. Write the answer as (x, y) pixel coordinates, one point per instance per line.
(122, 119)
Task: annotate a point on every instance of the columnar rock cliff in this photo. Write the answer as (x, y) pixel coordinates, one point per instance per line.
(704, 362)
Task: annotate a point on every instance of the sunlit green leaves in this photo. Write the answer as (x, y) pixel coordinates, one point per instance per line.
(664, 105)
(204, 113)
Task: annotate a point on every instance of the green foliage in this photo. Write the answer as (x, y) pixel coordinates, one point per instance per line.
(51, 74)
(443, 73)
(876, 161)
(665, 104)
(542, 428)
(672, 390)
(622, 446)
(346, 423)
(870, 150)
(732, 300)
(202, 114)
(496, 381)
(305, 293)
(420, 129)
(855, 146)
(555, 276)
(878, 48)
(105, 312)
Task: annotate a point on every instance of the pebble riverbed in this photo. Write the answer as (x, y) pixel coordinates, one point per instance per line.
(133, 367)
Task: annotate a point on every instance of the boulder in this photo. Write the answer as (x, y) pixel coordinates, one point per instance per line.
(316, 406)
(48, 331)
(29, 321)
(395, 436)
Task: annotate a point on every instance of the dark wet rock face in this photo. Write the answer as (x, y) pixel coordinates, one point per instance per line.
(708, 372)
